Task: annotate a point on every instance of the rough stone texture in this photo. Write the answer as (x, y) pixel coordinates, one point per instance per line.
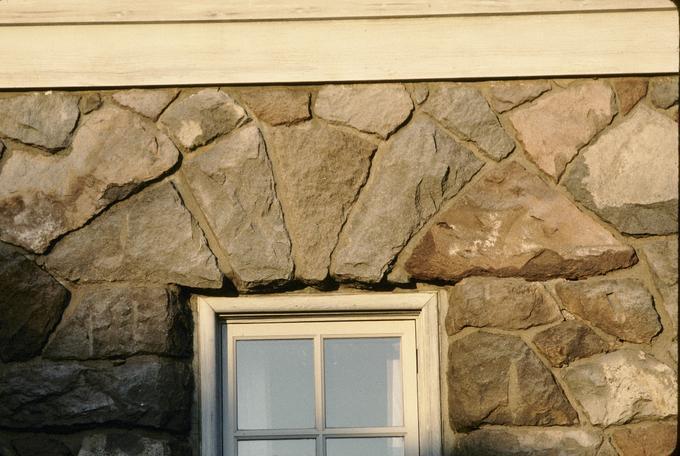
(233, 184)
(465, 111)
(648, 439)
(620, 386)
(38, 445)
(31, 303)
(319, 170)
(558, 124)
(569, 341)
(41, 119)
(629, 91)
(419, 92)
(199, 118)
(497, 379)
(629, 176)
(144, 391)
(151, 238)
(621, 307)
(113, 153)
(662, 258)
(499, 303)
(411, 176)
(372, 108)
(129, 444)
(276, 105)
(122, 322)
(149, 103)
(528, 442)
(663, 92)
(505, 95)
(89, 102)
(511, 223)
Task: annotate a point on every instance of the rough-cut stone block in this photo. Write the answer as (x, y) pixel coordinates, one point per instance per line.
(372, 108)
(411, 176)
(233, 184)
(620, 386)
(569, 341)
(42, 197)
(663, 91)
(558, 124)
(646, 439)
(505, 95)
(126, 443)
(499, 303)
(149, 103)
(41, 119)
(31, 304)
(629, 91)
(497, 379)
(629, 176)
(89, 101)
(276, 105)
(465, 111)
(511, 223)
(121, 322)
(143, 391)
(662, 258)
(319, 171)
(199, 118)
(621, 307)
(151, 237)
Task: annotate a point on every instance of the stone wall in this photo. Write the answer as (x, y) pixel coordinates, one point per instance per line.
(547, 209)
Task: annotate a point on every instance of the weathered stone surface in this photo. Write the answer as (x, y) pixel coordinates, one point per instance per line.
(629, 91)
(511, 223)
(31, 304)
(118, 443)
(233, 183)
(621, 307)
(122, 322)
(199, 118)
(419, 92)
(617, 387)
(143, 391)
(528, 442)
(42, 119)
(465, 111)
(89, 102)
(646, 439)
(662, 258)
(558, 124)
(319, 170)
(499, 303)
(277, 105)
(629, 177)
(372, 108)
(569, 341)
(505, 95)
(663, 92)
(43, 197)
(411, 176)
(151, 238)
(497, 379)
(149, 103)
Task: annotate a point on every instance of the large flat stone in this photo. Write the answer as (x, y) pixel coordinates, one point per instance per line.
(319, 170)
(127, 443)
(499, 303)
(276, 105)
(511, 223)
(629, 176)
(41, 119)
(122, 322)
(663, 91)
(662, 259)
(505, 95)
(233, 184)
(465, 111)
(558, 124)
(150, 238)
(149, 103)
(412, 175)
(568, 341)
(620, 386)
(629, 92)
(497, 379)
(113, 153)
(646, 439)
(31, 304)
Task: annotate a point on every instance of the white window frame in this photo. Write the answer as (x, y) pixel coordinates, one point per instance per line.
(420, 307)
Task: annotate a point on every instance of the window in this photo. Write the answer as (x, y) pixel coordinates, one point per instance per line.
(320, 375)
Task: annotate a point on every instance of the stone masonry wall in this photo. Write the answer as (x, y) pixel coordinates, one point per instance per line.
(547, 210)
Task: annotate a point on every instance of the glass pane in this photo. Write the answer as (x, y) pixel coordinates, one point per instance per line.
(275, 384)
(393, 446)
(277, 448)
(363, 382)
